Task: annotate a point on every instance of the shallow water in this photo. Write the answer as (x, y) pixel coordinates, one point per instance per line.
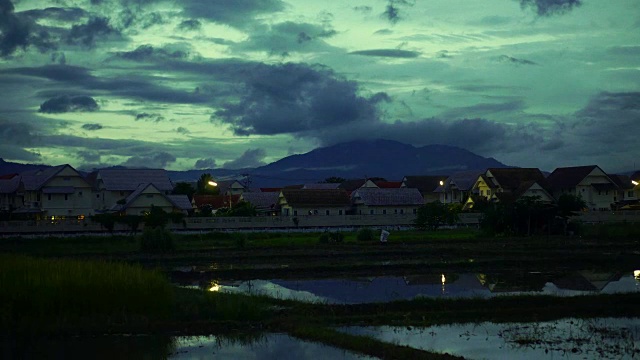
(602, 338)
(469, 285)
(266, 346)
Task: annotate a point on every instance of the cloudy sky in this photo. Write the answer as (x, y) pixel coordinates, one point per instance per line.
(188, 84)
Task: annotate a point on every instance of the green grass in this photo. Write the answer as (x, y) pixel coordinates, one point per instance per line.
(51, 293)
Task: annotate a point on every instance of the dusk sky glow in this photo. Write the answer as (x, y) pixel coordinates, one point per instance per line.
(229, 84)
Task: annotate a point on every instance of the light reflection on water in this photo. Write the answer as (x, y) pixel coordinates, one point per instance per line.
(602, 338)
(109, 347)
(271, 346)
(385, 289)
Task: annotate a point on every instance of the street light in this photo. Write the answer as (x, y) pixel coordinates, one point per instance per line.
(212, 183)
(635, 183)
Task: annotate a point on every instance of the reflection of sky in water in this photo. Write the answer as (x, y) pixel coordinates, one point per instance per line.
(604, 338)
(271, 346)
(384, 289)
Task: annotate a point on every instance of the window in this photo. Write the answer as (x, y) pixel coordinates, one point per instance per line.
(315, 212)
(327, 212)
(66, 197)
(339, 212)
(370, 212)
(395, 211)
(97, 196)
(295, 212)
(49, 197)
(415, 211)
(481, 192)
(80, 193)
(401, 211)
(38, 197)
(488, 192)
(384, 211)
(630, 194)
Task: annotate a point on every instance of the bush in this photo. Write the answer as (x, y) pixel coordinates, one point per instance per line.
(329, 237)
(156, 240)
(366, 234)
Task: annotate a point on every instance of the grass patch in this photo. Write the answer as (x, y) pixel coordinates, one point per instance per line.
(36, 294)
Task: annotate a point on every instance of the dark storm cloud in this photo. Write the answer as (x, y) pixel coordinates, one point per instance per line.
(149, 117)
(157, 160)
(288, 37)
(92, 127)
(395, 53)
(56, 13)
(249, 159)
(133, 85)
(208, 163)
(87, 34)
(294, 98)
(88, 156)
(62, 104)
(393, 9)
(512, 60)
(190, 25)
(14, 31)
(14, 138)
(149, 53)
(609, 118)
(550, 7)
(478, 135)
(237, 13)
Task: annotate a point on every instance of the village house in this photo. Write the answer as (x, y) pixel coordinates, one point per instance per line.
(372, 201)
(350, 185)
(265, 203)
(457, 187)
(11, 193)
(211, 203)
(55, 193)
(147, 196)
(626, 197)
(510, 184)
(427, 185)
(590, 183)
(230, 187)
(296, 202)
(114, 186)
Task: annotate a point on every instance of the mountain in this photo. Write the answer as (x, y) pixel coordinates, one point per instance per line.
(7, 167)
(388, 159)
(391, 160)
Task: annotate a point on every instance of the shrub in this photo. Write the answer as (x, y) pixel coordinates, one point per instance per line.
(156, 240)
(366, 234)
(324, 238)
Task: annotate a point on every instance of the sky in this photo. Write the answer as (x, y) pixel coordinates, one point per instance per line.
(201, 84)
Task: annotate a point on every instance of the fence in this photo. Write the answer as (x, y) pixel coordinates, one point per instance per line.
(305, 222)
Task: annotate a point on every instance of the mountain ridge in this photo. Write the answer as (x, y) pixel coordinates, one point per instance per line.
(389, 159)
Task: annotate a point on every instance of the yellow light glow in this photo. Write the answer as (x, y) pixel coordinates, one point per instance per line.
(636, 274)
(443, 279)
(634, 182)
(212, 183)
(441, 183)
(214, 286)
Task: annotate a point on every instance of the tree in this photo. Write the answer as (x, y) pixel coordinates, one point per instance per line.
(203, 186)
(334, 180)
(156, 218)
(568, 206)
(242, 208)
(435, 214)
(184, 188)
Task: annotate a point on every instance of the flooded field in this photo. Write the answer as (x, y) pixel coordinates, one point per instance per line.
(468, 285)
(599, 338)
(265, 346)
